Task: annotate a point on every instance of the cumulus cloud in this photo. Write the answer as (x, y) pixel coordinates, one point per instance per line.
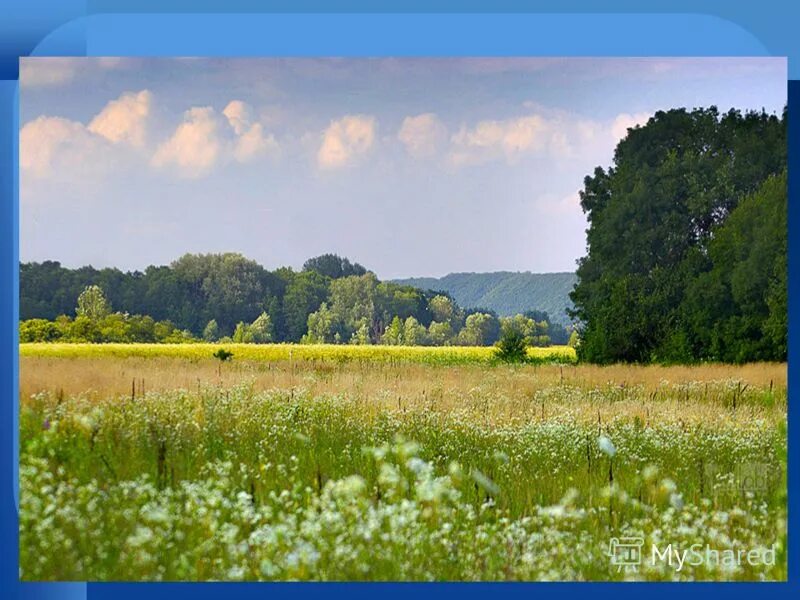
(239, 115)
(51, 144)
(123, 130)
(124, 119)
(625, 121)
(194, 146)
(551, 133)
(47, 143)
(508, 139)
(252, 141)
(207, 138)
(345, 139)
(422, 135)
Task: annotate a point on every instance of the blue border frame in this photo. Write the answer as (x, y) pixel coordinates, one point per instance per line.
(314, 28)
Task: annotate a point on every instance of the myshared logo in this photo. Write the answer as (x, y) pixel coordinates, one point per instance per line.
(626, 553)
(748, 477)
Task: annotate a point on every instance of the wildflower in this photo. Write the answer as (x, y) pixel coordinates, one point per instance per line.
(489, 486)
(607, 446)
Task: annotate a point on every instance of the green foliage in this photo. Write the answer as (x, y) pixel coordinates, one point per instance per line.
(440, 334)
(737, 309)
(512, 346)
(92, 303)
(211, 331)
(534, 333)
(304, 295)
(261, 329)
(333, 266)
(39, 330)
(574, 339)
(226, 296)
(441, 308)
(394, 334)
(113, 328)
(680, 266)
(321, 326)
(414, 333)
(480, 329)
(242, 334)
(223, 355)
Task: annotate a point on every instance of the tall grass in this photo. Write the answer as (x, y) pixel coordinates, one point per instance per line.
(407, 471)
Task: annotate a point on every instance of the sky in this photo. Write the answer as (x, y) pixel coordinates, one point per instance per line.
(410, 166)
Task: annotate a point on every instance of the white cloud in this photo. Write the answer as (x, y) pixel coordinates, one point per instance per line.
(624, 121)
(195, 145)
(124, 119)
(207, 138)
(422, 135)
(253, 143)
(345, 139)
(51, 146)
(554, 134)
(48, 143)
(239, 115)
(508, 139)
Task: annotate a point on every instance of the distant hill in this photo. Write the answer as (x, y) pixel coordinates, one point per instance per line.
(507, 293)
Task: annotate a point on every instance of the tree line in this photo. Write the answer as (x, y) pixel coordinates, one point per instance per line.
(687, 242)
(227, 297)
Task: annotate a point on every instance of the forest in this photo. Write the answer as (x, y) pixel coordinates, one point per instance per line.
(229, 298)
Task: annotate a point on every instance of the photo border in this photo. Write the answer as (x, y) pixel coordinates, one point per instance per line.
(411, 28)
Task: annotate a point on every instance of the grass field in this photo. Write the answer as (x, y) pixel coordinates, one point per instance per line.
(160, 463)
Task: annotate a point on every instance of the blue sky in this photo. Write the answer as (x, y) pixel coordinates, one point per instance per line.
(413, 167)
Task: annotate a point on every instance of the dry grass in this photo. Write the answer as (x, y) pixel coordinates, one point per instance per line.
(688, 394)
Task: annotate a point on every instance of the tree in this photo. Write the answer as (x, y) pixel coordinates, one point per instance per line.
(333, 266)
(393, 335)
(92, 303)
(38, 330)
(261, 329)
(512, 346)
(480, 329)
(361, 334)
(652, 218)
(353, 302)
(574, 340)
(242, 334)
(304, 294)
(440, 334)
(321, 326)
(736, 311)
(414, 333)
(211, 331)
(441, 308)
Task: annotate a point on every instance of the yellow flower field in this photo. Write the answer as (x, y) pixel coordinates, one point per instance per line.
(446, 355)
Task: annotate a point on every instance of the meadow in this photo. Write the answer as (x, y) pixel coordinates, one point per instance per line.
(159, 462)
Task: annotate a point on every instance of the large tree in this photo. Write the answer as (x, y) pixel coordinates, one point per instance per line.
(652, 215)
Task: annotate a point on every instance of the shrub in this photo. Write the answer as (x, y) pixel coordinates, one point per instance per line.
(512, 346)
